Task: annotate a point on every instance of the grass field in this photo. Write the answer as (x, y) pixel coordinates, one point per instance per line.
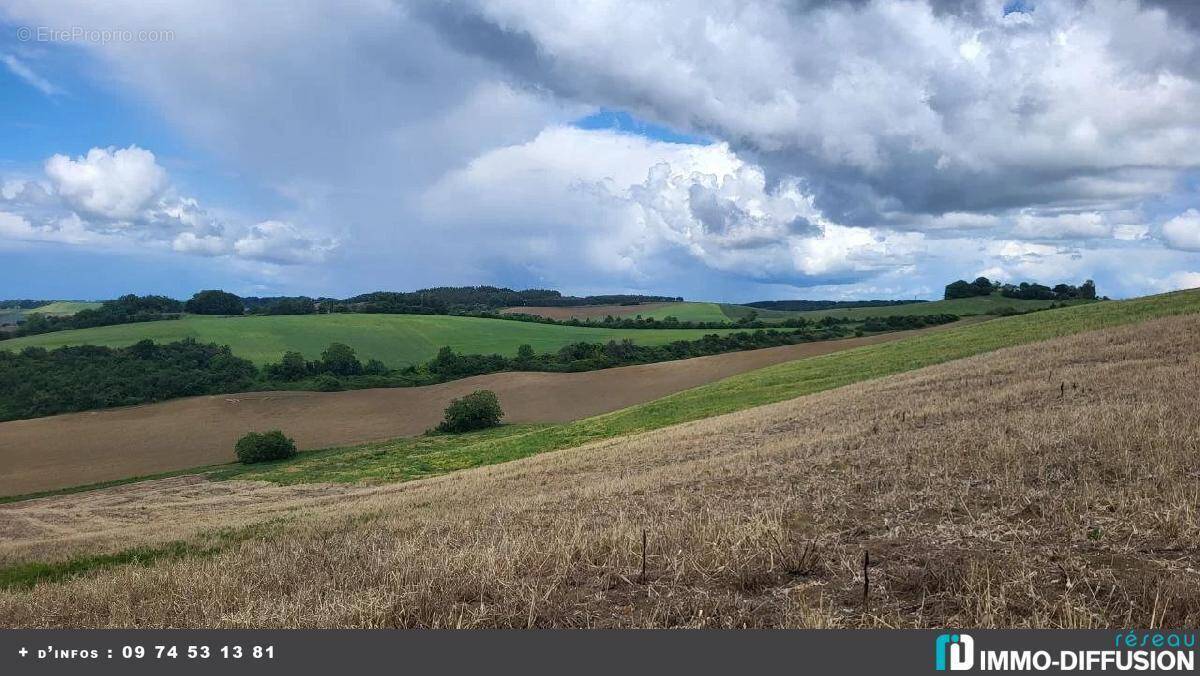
(683, 311)
(396, 340)
(688, 312)
(1071, 502)
(63, 308)
(958, 306)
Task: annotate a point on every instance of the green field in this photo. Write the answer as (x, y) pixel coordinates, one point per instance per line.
(404, 459)
(958, 306)
(688, 312)
(63, 308)
(396, 340)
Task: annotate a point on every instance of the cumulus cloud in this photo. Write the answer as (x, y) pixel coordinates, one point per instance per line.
(883, 106)
(869, 144)
(121, 198)
(629, 205)
(1183, 231)
(279, 242)
(110, 183)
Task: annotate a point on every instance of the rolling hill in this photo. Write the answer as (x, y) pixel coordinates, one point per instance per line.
(64, 307)
(396, 340)
(963, 307)
(1049, 484)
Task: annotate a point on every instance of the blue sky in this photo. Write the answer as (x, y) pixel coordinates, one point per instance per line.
(734, 151)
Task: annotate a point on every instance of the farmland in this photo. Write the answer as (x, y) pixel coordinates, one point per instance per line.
(64, 307)
(683, 311)
(396, 340)
(58, 309)
(729, 312)
(963, 307)
(756, 516)
(61, 451)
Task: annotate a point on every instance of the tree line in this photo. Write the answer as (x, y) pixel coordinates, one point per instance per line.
(982, 286)
(468, 299)
(38, 382)
(124, 310)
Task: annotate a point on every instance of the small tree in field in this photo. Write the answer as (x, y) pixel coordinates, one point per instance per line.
(264, 447)
(475, 411)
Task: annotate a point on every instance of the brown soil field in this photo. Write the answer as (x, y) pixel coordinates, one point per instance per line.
(583, 311)
(82, 448)
(1048, 485)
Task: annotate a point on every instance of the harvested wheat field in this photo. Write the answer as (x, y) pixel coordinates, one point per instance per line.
(83, 448)
(1053, 484)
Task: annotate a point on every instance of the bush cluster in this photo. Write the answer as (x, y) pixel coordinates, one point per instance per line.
(337, 360)
(264, 447)
(476, 411)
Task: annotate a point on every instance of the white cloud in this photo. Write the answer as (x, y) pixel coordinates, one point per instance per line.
(626, 204)
(109, 183)
(1177, 280)
(122, 199)
(430, 133)
(204, 245)
(284, 243)
(1183, 231)
(23, 71)
(1089, 225)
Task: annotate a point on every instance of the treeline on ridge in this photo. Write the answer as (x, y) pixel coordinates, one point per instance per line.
(468, 299)
(982, 286)
(23, 304)
(124, 310)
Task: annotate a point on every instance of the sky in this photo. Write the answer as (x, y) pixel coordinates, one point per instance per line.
(722, 150)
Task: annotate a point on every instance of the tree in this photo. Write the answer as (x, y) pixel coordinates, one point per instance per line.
(292, 367)
(475, 411)
(273, 445)
(1088, 290)
(340, 360)
(215, 302)
(525, 354)
(959, 289)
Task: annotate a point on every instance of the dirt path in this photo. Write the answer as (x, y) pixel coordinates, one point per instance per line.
(82, 448)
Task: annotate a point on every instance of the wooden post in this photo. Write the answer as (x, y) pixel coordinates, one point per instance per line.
(642, 577)
(866, 578)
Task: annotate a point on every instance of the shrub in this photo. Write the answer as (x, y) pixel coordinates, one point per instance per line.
(291, 367)
(475, 411)
(264, 447)
(340, 360)
(328, 383)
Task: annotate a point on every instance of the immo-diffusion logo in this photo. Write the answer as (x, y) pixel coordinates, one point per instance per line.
(955, 652)
(1131, 651)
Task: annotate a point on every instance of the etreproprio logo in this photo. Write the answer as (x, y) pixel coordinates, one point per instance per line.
(1149, 651)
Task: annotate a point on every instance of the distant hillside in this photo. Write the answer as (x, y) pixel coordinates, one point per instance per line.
(451, 299)
(811, 305)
